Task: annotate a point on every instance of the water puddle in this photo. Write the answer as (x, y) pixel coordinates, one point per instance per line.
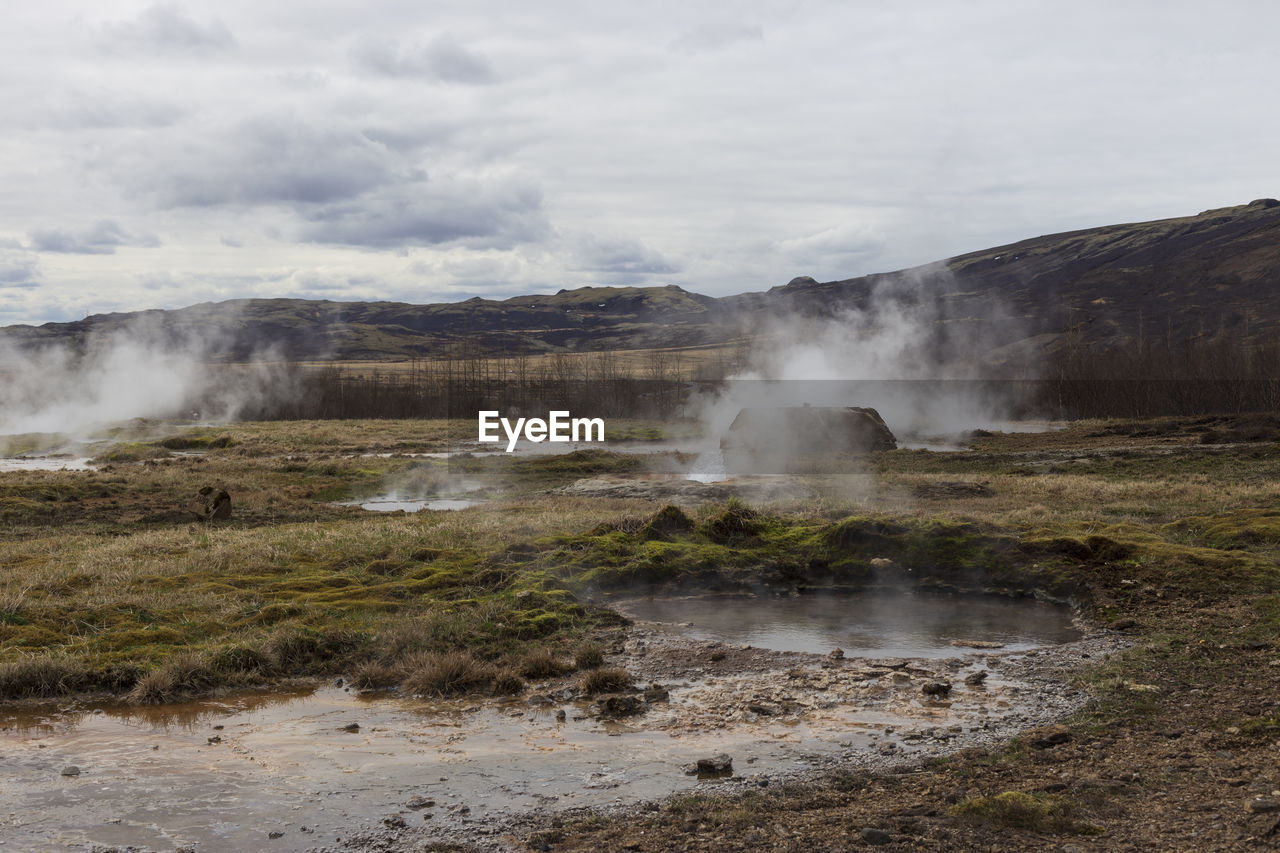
(392, 504)
(881, 625)
(314, 767)
(45, 463)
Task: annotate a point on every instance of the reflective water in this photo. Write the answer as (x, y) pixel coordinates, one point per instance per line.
(927, 626)
(45, 463)
(415, 504)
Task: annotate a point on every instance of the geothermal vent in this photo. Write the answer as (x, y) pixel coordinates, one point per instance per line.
(802, 439)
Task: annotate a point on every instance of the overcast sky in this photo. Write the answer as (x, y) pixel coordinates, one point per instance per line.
(159, 155)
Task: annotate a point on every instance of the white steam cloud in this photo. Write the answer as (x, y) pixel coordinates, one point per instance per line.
(142, 370)
(910, 349)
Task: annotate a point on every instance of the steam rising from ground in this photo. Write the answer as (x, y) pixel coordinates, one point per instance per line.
(144, 370)
(907, 352)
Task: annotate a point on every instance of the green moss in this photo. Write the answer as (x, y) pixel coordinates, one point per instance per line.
(1043, 813)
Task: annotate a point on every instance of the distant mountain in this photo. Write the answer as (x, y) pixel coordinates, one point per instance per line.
(1214, 273)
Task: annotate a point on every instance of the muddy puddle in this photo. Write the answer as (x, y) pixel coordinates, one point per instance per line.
(320, 766)
(880, 625)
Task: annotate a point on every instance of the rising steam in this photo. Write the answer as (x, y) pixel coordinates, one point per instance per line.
(143, 370)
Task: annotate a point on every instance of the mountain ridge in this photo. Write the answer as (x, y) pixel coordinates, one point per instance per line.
(1217, 272)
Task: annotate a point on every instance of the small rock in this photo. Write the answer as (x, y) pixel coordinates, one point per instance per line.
(836, 654)
(656, 693)
(560, 716)
(1051, 737)
(275, 834)
(715, 765)
(619, 705)
(418, 803)
(973, 679)
(1124, 625)
(936, 688)
(215, 739)
(219, 727)
(394, 821)
(871, 835)
(71, 770)
(351, 727)
(1263, 806)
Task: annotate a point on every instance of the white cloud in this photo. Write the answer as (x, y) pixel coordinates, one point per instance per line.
(720, 150)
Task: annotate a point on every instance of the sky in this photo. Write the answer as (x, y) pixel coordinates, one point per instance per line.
(156, 155)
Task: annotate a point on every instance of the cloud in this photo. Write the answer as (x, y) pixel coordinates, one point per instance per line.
(839, 243)
(481, 214)
(621, 260)
(269, 160)
(166, 28)
(18, 269)
(105, 109)
(709, 37)
(101, 239)
(442, 59)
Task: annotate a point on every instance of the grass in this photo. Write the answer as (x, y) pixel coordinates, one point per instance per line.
(105, 585)
(1043, 813)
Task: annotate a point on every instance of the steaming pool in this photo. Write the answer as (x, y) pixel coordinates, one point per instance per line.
(877, 625)
(393, 504)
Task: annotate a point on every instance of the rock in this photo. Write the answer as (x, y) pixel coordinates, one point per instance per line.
(836, 654)
(215, 739)
(539, 700)
(619, 705)
(394, 821)
(936, 689)
(210, 504)
(974, 679)
(1263, 806)
(762, 710)
(656, 693)
(419, 803)
(275, 834)
(1047, 738)
(71, 770)
(831, 434)
(1124, 625)
(871, 835)
(351, 727)
(716, 765)
(561, 716)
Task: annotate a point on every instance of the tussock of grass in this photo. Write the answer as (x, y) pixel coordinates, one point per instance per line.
(507, 682)
(588, 656)
(41, 675)
(185, 675)
(449, 674)
(599, 681)
(1044, 813)
(542, 663)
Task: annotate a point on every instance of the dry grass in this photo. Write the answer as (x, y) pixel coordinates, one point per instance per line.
(588, 656)
(542, 663)
(598, 681)
(449, 674)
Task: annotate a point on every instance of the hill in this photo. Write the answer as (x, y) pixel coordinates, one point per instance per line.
(1177, 279)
